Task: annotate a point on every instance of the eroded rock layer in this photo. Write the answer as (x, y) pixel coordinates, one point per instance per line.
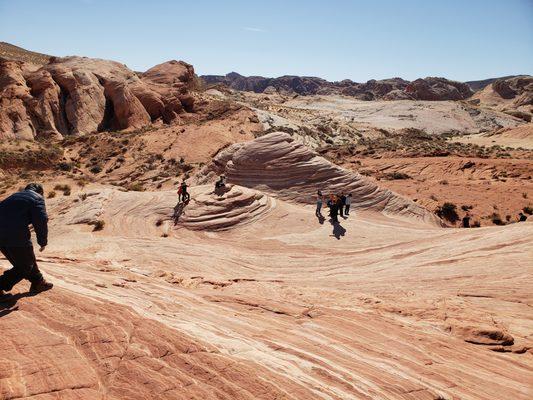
(278, 164)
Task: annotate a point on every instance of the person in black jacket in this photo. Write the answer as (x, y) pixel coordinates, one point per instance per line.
(17, 212)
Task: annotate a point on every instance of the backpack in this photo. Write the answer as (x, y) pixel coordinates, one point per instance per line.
(180, 189)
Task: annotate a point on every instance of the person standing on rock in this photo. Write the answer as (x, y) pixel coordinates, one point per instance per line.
(347, 204)
(184, 193)
(17, 212)
(333, 209)
(341, 200)
(319, 200)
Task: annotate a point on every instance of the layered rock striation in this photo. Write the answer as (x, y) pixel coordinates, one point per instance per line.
(278, 164)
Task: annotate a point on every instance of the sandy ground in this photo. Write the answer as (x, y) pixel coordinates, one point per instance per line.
(488, 186)
(277, 307)
(521, 136)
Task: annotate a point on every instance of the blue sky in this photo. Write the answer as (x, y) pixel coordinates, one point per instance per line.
(335, 39)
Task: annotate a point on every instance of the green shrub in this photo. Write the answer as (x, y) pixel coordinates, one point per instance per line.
(496, 219)
(98, 225)
(448, 211)
(96, 169)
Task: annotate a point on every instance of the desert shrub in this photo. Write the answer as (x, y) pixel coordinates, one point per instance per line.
(63, 188)
(528, 210)
(136, 187)
(159, 222)
(448, 211)
(496, 219)
(443, 182)
(64, 166)
(396, 175)
(96, 169)
(51, 194)
(524, 195)
(466, 208)
(475, 224)
(98, 225)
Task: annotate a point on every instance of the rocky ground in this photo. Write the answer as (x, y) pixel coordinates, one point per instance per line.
(245, 293)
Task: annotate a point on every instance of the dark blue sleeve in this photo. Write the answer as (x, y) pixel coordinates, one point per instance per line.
(39, 220)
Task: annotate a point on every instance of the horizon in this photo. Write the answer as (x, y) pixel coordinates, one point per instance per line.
(255, 35)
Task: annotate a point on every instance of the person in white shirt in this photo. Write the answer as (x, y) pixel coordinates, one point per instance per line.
(347, 204)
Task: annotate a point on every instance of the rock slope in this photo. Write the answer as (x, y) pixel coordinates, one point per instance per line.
(278, 309)
(78, 95)
(280, 165)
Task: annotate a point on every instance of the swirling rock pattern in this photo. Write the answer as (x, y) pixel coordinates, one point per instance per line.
(278, 164)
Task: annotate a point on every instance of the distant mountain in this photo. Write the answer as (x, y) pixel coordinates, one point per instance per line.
(389, 89)
(479, 85)
(11, 52)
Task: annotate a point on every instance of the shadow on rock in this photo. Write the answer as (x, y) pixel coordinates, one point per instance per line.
(338, 230)
(8, 303)
(178, 211)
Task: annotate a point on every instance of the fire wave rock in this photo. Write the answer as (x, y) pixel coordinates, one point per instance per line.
(279, 165)
(234, 205)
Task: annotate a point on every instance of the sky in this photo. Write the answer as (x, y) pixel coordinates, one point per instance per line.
(334, 39)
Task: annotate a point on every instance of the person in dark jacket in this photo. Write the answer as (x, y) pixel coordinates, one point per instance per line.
(17, 212)
(341, 204)
(333, 209)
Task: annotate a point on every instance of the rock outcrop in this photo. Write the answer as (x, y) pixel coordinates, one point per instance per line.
(213, 209)
(388, 89)
(78, 95)
(519, 88)
(278, 164)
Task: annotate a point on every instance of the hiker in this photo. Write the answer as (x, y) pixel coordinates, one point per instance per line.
(183, 195)
(221, 182)
(347, 204)
(342, 203)
(522, 217)
(17, 212)
(319, 199)
(333, 209)
(220, 186)
(466, 221)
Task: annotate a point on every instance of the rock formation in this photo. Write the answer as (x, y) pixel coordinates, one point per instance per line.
(78, 95)
(276, 163)
(388, 89)
(224, 208)
(519, 88)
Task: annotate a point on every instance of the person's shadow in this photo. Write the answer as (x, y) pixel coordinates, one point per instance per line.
(178, 211)
(8, 303)
(338, 230)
